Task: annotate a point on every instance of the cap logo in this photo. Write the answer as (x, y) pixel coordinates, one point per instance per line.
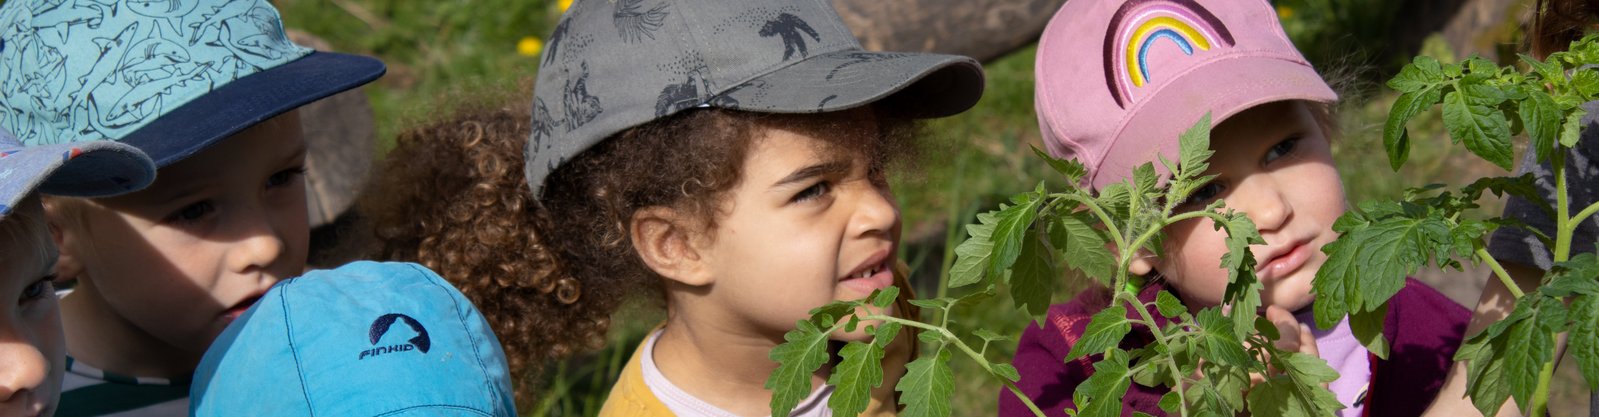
(381, 327)
(1140, 25)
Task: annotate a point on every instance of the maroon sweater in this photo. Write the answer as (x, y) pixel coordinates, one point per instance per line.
(1423, 329)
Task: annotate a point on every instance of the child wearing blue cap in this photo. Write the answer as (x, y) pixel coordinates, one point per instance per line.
(365, 339)
(208, 90)
(32, 351)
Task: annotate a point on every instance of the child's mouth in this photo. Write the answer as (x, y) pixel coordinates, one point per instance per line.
(1284, 264)
(872, 276)
(243, 305)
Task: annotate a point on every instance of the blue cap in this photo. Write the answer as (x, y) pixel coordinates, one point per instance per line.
(89, 169)
(168, 77)
(365, 339)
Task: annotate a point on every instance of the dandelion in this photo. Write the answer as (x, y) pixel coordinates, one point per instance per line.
(1285, 12)
(564, 4)
(529, 46)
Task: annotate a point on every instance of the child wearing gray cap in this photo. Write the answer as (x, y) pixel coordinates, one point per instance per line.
(726, 156)
(32, 349)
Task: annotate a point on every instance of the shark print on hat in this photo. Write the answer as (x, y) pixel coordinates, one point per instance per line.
(635, 24)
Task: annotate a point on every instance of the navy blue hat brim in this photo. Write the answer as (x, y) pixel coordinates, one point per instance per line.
(250, 100)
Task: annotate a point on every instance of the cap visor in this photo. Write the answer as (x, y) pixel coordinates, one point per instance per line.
(1222, 89)
(250, 100)
(913, 84)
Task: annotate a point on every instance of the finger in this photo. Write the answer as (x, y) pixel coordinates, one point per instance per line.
(1287, 328)
(1307, 341)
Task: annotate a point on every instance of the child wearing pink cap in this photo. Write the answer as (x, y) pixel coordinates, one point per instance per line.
(1117, 82)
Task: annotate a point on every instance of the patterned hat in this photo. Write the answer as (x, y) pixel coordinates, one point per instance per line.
(366, 339)
(612, 65)
(1119, 80)
(167, 76)
(91, 169)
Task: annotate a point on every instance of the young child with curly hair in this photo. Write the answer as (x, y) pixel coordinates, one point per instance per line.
(726, 156)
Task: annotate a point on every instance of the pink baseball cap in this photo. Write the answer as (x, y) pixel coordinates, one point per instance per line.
(1119, 80)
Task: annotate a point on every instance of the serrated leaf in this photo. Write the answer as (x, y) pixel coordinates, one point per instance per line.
(1194, 148)
(1485, 384)
(1524, 358)
(973, 256)
(1483, 129)
(1579, 275)
(1168, 304)
(1423, 72)
(1104, 332)
(885, 297)
(1104, 389)
(1034, 276)
(1584, 337)
(1243, 289)
(1571, 130)
(1070, 168)
(1219, 339)
(1298, 391)
(1083, 246)
(803, 352)
(933, 303)
(1170, 402)
(926, 388)
(1585, 81)
(1550, 71)
(860, 370)
(1540, 116)
(1012, 229)
(989, 335)
(1395, 138)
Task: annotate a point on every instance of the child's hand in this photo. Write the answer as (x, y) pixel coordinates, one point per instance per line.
(1296, 336)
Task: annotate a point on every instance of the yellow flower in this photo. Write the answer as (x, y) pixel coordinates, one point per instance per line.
(564, 4)
(1285, 12)
(529, 46)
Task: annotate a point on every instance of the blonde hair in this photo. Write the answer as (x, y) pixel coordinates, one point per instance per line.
(25, 228)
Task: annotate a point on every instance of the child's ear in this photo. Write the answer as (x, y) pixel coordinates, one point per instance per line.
(68, 266)
(664, 240)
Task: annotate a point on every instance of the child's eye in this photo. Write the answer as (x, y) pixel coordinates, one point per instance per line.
(192, 212)
(1281, 149)
(44, 287)
(283, 177)
(812, 192)
(1203, 195)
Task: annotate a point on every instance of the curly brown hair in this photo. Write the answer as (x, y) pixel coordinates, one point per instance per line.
(1559, 22)
(548, 274)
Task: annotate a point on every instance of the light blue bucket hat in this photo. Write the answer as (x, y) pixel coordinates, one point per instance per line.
(170, 77)
(366, 339)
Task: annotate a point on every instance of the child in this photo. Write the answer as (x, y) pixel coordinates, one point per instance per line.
(32, 355)
(366, 339)
(728, 154)
(207, 89)
(1118, 81)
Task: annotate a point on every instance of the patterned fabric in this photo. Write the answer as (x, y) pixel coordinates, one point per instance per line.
(153, 56)
(88, 391)
(614, 64)
(1510, 244)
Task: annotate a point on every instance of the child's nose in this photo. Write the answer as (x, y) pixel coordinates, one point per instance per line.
(260, 245)
(23, 368)
(876, 212)
(1266, 203)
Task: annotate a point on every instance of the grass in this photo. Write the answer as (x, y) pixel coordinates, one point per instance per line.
(448, 53)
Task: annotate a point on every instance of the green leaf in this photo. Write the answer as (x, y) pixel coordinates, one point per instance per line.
(1575, 276)
(1219, 338)
(1168, 304)
(1007, 371)
(1012, 229)
(1170, 402)
(1084, 246)
(1104, 389)
(1367, 328)
(973, 256)
(1483, 129)
(1550, 71)
(1034, 276)
(1243, 289)
(853, 379)
(1571, 131)
(926, 388)
(1194, 149)
(1584, 337)
(1298, 391)
(1070, 168)
(1395, 138)
(1104, 332)
(804, 351)
(1524, 358)
(1423, 72)
(1541, 117)
(1485, 382)
(989, 335)
(1585, 81)
(885, 297)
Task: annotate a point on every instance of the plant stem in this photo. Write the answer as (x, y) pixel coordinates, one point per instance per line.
(1583, 215)
(1099, 212)
(1562, 253)
(1160, 337)
(1499, 271)
(981, 360)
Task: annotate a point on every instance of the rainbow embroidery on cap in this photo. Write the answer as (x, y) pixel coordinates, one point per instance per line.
(1141, 24)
